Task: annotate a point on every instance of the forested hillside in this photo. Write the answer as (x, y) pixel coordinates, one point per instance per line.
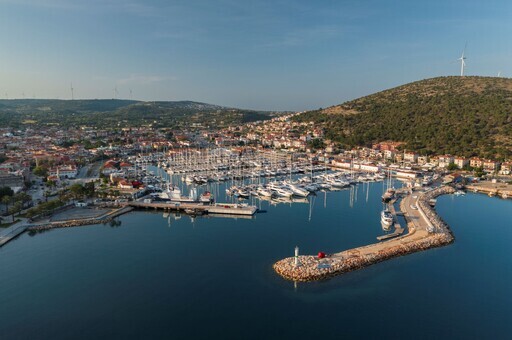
(110, 113)
(466, 116)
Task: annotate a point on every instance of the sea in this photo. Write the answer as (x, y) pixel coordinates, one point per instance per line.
(169, 276)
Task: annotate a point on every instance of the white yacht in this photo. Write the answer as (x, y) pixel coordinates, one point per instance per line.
(386, 217)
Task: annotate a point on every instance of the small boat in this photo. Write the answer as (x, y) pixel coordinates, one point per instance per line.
(206, 197)
(388, 195)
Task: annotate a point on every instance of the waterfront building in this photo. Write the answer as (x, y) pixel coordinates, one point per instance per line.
(476, 162)
(411, 157)
(445, 160)
(461, 162)
(491, 166)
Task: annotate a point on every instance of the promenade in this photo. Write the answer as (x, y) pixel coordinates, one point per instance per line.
(426, 230)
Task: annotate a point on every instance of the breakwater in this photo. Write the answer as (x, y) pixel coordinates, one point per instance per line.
(429, 233)
(107, 218)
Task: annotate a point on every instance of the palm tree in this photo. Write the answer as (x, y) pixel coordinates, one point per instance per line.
(6, 200)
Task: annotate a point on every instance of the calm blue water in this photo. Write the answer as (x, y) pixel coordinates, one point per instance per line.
(211, 278)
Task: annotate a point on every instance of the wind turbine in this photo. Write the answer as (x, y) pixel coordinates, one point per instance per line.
(72, 94)
(130, 94)
(462, 62)
(499, 74)
(115, 92)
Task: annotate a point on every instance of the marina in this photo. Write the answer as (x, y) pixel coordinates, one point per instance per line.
(157, 260)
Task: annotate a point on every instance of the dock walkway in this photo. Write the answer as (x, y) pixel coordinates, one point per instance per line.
(12, 232)
(217, 208)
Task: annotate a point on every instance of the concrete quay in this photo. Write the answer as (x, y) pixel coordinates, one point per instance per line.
(426, 231)
(12, 232)
(216, 208)
(503, 190)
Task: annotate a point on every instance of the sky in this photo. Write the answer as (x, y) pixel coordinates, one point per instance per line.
(266, 55)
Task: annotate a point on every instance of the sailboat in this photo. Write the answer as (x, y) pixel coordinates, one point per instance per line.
(390, 192)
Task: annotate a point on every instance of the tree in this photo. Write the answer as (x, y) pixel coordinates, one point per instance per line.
(316, 143)
(479, 172)
(22, 197)
(6, 191)
(16, 208)
(6, 200)
(452, 166)
(51, 184)
(40, 171)
(89, 189)
(77, 190)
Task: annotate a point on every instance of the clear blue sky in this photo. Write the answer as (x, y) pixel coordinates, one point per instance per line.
(275, 54)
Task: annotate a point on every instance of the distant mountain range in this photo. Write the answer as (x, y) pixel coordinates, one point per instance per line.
(464, 116)
(109, 113)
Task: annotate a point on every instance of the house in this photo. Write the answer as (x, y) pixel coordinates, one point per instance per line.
(64, 171)
(422, 160)
(491, 166)
(389, 154)
(506, 168)
(109, 167)
(445, 160)
(124, 184)
(461, 162)
(476, 162)
(411, 157)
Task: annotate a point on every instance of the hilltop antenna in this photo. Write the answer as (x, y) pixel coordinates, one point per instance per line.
(72, 92)
(462, 62)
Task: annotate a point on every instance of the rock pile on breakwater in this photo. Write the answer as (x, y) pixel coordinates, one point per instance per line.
(109, 218)
(310, 268)
(430, 213)
(68, 224)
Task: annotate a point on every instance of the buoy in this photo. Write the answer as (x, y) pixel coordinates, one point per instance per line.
(321, 255)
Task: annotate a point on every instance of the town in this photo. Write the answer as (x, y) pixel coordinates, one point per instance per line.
(40, 164)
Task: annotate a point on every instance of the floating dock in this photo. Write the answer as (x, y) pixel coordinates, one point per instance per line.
(398, 231)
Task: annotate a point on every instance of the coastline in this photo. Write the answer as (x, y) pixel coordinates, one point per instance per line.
(418, 238)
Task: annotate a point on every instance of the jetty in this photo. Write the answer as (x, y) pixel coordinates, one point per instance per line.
(215, 208)
(12, 232)
(426, 230)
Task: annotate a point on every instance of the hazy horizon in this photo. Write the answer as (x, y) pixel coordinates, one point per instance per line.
(281, 55)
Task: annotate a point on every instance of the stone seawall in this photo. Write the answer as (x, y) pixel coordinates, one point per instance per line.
(311, 268)
(81, 222)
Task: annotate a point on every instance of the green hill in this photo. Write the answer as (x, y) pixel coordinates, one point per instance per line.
(110, 113)
(465, 116)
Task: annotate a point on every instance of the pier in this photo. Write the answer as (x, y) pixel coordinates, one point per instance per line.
(426, 231)
(12, 232)
(217, 208)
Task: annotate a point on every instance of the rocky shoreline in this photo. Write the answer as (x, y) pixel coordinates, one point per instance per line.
(311, 268)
